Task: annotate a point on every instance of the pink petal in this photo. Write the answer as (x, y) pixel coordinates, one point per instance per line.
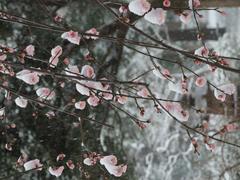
(143, 92)
(33, 164)
(21, 102)
(139, 7)
(87, 71)
(80, 105)
(30, 50)
(72, 37)
(94, 32)
(200, 81)
(156, 16)
(93, 101)
(45, 93)
(3, 57)
(56, 171)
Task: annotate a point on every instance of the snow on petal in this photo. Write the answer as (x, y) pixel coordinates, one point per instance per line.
(87, 71)
(92, 31)
(122, 99)
(200, 81)
(93, 101)
(80, 105)
(70, 164)
(156, 16)
(30, 50)
(28, 77)
(139, 7)
(33, 164)
(60, 157)
(45, 93)
(56, 171)
(21, 102)
(72, 37)
(225, 89)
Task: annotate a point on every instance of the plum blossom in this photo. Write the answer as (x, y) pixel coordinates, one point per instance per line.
(202, 51)
(139, 7)
(88, 162)
(110, 163)
(93, 101)
(28, 76)
(87, 71)
(72, 37)
(166, 3)
(30, 50)
(225, 89)
(3, 57)
(55, 52)
(156, 16)
(200, 81)
(80, 105)
(70, 164)
(185, 17)
(56, 171)
(82, 89)
(92, 31)
(143, 92)
(45, 93)
(122, 99)
(33, 164)
(72, 70)
(176, 110)
(60, 157)
(194, 3)
(163, 74)
(21, 102)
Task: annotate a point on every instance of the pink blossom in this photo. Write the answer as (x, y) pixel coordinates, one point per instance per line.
(80, 105)
(56, 171)
(93, 101)
(194, 3)
(110, 163)
(92, 31)
(107, 95)
(45, 93)
(200, 81)
(176, 110)
(30, 50)
(210, 147)
(88, 162)
(122, 99)
(3, 57)
(28, 76)
(72, 37)
(55, 52)
(156, 16)
(231, 127)
(185, 17)
(70, 164)
(163, 74)
(202, 51)
(22, 159)
(225, 89)
(33, 164)
(123, 9)
(143, 92)
(21, 102)
(72, 70)
(60, 157)
(87, 71)
(139, 7)
(166, 3)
